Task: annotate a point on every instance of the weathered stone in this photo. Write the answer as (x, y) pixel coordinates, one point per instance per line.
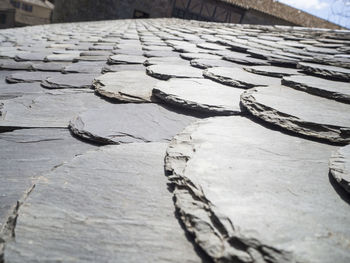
(211, 46)
(68, 81)
(126, 59)
(299, 112)
(13, 65)
(32, 56)
(331, 72)
(272, 71)
(45, 111)
(244, 191)
(339, 167)
(30, 77)
(336, 90)
(61, 57)
(239, 78)
(84, 67)
(166, 60)
(127, 123)
(8, 91)
(190, 56)
(127, 86)
(165, 71)
(50, 66)
(242, 58)
(115, 195)
(200, 95)
(25, 155)
(122, 67)
(151, 54)
(211, 63)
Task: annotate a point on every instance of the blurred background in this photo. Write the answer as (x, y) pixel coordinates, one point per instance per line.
(333, 14)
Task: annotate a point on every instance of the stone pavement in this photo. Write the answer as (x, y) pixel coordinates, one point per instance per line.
(165, 140)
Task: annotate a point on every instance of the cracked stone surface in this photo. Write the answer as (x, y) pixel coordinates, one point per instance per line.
(326, 71)
(272, 71)
(122, 67)
(70, 81)
(335, 90)
(121, 87)
(167, 71)
(190, 56)
(199, 95)
(166, 60)
(25, 155)
(92, 196)
(45, 111)
(263, 208)
(339, 167)
(239, 78)
(128, 123)
(19, 89)
(299, 112)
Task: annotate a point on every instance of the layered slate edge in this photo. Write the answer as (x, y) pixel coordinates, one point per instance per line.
(218, 234)
(339, 167)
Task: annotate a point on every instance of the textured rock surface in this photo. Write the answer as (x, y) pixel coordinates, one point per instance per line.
(29, 77)
(117, 194)
(128, 123)
(239, 78)
(299, 112)
(263, 208)
(49, 110)
(339, 167)
(200, 95)
(168, 71)
(126, 59)
(326, 71)
(335, 90)
(25, 155)
(210, 63)
(127, 86)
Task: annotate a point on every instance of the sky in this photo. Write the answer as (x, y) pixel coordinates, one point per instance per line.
(336, 11)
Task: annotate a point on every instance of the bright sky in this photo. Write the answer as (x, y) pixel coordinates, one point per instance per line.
(332, 10)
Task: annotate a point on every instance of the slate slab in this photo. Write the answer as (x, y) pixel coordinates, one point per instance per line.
(27, 154)
(125, 206)
(69, 81)
(199, 95)
(7, 64)
(273, 71)
(190, 56)
(165, 60)
(211, 63)
(84, 67)
(8, 91)
(126, 59)
(128, 123)
(326, 71)
(335, 90)
(61, 57)
(45, 111)
(262, 199)
(299, 112)
(167, 71)
(122, 67)
(30, 77)
(50, 66)
(339, 164)
(151, 54)
(242, 58)
(239, 78)
(126, 86)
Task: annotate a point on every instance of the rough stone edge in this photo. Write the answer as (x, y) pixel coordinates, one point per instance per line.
(265, 73)
(316, 91)
(226, 81)
(338, 169)
(122, 97)
(204, 108)
(332, 133)
(212, 231)
(50, 85)
(325, 73)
